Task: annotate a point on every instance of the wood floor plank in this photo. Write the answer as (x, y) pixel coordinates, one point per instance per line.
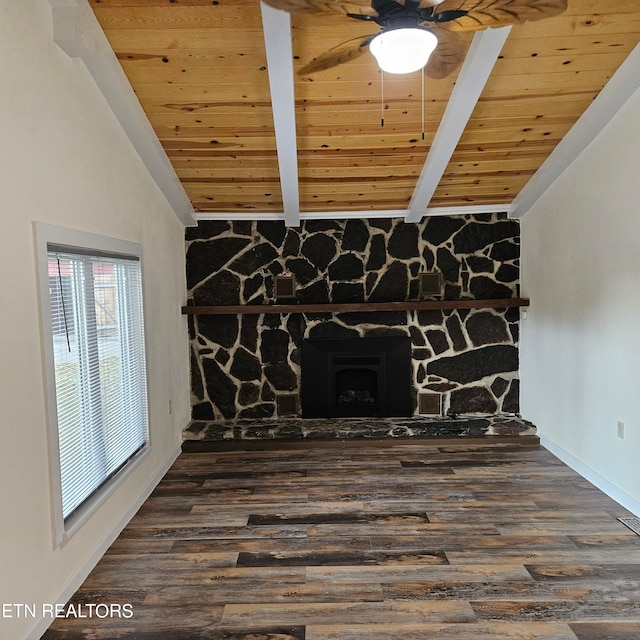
(239, 577)
(471, 540)
(568, 610)
(343, 558)
(582, 572)
(277, 591)
(593, 591)
(586, 527)
(170, 562)
(463, 590)
(323, 530)
(529, 631)
(611, 541)
(326, 509)
(190, 520)
(420, 573)
(176, 632)
(348, 542)
(347, 518)
(122, 546)
(528, 556)
(156, 621)
(197, 532)
(245, 616)
(275, 545)
(605, 630)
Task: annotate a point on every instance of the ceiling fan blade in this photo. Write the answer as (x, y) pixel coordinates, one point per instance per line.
(497, 13)
(323, 6)
(340, 54)
(446, 16)
(447, 56)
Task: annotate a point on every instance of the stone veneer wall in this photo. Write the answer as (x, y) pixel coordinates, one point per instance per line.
(239, 363)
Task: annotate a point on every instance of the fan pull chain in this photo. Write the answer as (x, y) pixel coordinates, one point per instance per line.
(381, 98)
(423, 103)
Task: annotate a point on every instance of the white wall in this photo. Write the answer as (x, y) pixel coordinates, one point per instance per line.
(580, 349)
(64, 160)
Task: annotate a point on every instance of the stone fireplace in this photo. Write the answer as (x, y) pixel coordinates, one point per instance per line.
(243, 365)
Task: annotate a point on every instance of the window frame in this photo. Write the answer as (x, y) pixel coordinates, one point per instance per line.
(87, 243)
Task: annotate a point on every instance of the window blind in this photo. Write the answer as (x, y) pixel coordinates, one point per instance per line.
(100, 372)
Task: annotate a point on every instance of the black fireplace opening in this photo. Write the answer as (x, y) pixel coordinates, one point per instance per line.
(357, 384)
(356, 377)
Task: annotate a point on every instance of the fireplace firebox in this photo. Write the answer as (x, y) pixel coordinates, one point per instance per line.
(356, 377)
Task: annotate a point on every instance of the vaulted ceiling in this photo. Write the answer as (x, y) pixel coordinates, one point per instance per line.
(249, 137)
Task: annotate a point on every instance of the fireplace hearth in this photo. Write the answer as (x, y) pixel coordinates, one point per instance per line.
(356, 377)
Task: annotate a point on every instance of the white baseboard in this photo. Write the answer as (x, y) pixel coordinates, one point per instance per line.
(592, 476)
(81, 574)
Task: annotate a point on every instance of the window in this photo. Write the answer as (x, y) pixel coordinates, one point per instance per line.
(98, 404)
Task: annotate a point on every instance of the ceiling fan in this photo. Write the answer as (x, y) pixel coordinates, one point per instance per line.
(417, 34)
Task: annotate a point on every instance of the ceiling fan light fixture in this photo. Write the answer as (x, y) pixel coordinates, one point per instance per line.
(403, 50)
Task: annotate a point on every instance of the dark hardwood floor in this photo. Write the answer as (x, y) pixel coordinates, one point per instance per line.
(403, 541)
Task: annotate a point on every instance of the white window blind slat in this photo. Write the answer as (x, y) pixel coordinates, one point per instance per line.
(100, 374)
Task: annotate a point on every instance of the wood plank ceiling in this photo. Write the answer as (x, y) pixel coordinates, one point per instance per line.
(199, 69)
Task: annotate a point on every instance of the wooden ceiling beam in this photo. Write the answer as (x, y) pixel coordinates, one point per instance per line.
(277, 40)
(483, 53)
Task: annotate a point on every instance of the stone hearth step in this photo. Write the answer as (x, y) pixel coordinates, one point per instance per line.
(292, 429)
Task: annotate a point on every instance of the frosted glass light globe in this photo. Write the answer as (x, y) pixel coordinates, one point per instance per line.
(403, 50)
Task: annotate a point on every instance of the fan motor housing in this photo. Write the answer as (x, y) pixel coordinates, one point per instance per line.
(393, 15)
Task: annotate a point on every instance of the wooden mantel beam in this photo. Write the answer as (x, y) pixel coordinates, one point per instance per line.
(423, 305)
